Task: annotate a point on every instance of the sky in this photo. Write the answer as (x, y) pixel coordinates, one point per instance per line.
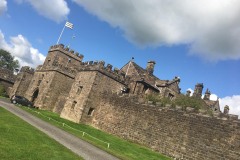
(199, 41)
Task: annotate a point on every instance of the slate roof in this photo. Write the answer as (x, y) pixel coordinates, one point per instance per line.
(150, 79)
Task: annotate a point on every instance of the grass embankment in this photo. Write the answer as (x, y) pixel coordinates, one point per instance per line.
(21, 141)
(118, 147)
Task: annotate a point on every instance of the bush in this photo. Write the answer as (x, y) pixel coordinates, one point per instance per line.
(193, 102)
(153, 97)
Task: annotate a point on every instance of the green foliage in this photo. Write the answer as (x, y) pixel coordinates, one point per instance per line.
(118, 147)
(181, 100)
(7, 60)
(21, 141)
(186, 101)
(153, 97)
(2, 91)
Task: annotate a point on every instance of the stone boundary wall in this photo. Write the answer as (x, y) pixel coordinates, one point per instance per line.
(171, 131)
(7, 75)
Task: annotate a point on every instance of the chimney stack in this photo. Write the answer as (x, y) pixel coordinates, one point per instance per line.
(150, 67)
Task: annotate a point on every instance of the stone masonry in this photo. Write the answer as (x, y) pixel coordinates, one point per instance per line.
(112, 100)
(7, 79)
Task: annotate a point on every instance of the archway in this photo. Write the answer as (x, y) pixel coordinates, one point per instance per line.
(35, 95)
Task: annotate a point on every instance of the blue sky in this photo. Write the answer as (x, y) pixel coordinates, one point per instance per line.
(197, 41)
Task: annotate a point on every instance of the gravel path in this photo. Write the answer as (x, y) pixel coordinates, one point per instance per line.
(78, 146)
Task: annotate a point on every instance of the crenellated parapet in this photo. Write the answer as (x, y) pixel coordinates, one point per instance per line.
(108, 70)
(187, 111)
(27, 69)
(66, 50)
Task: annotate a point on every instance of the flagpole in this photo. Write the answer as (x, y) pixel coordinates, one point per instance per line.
(61, 34)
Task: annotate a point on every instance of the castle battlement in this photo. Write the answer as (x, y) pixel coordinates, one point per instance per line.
(186, 111)
(108, 70)
(27, 69)
(66, 50)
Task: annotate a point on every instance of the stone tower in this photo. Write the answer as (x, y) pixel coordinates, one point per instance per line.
(198, 90)
(150, 67)
(54, 78)
(207, 95)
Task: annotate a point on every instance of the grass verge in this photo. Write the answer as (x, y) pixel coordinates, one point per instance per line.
(21, 141)
(118, 147)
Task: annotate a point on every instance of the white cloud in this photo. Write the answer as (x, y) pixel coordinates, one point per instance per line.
(191, 90)
(233, 102)
(3, 6)
(211, 28)
(56, 10)
(213, 97)
(22, 50)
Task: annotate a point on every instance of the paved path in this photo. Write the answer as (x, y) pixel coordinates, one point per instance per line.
(78, 146)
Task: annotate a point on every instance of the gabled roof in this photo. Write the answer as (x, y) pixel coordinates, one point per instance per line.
(143, 75)
(150, 79)
(212, 104)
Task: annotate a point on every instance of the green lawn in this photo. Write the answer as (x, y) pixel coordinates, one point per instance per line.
(120, 148)
(21, 141)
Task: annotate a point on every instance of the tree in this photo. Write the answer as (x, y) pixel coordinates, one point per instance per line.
(7, 60)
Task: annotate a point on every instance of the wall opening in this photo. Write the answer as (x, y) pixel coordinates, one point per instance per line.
(90, 111)
(39, 82)
(79, 90)
(73, 104)
(35, 95)
(170, 96)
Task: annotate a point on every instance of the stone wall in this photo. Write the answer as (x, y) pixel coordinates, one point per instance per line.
(22, 82)
(7, 79)
(84, 98)
(50, 85)
(173, 132)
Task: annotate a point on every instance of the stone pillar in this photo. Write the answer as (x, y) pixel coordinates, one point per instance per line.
(188, 93)
(226, 109)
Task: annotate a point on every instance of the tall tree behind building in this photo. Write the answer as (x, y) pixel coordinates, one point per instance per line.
(7, 60)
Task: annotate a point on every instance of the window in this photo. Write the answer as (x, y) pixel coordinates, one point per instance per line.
(39, 82)
(48, 62)
(79, 90)
(170, 96)
(90, 111)
(73, 104)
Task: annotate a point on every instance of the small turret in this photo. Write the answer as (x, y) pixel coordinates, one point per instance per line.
(207, 95)
(226, 109)
(198, 90)
(188, 93)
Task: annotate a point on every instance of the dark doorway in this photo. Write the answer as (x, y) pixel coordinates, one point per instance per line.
(35, 95)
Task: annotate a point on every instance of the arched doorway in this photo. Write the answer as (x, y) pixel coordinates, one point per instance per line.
(35, 95)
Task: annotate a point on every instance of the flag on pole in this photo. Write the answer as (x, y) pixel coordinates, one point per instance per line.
(69, 25)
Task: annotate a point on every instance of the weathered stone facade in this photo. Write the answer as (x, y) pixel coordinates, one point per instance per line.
(7, 79)
(96, 94)
(183, 134)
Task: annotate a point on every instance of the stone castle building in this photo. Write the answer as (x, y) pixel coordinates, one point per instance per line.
(111, 99)
(65, 84)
